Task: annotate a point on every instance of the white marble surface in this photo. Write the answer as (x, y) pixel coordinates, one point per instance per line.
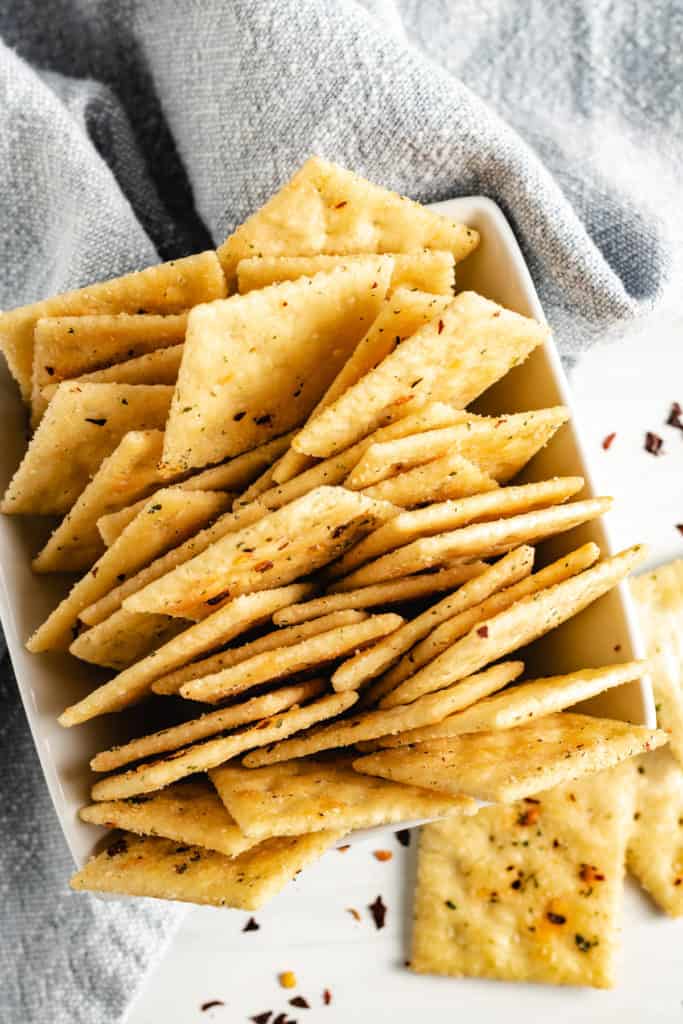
(627, 389)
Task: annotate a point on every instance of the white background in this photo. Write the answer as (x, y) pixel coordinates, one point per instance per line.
(626, 388)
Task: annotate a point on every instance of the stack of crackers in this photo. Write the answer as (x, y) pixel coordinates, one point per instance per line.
(298, 544)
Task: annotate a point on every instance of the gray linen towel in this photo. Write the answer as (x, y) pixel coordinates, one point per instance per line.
(138, 130)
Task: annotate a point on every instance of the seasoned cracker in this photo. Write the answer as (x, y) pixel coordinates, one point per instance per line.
(655, 845)
(124, 638)
(510, 764)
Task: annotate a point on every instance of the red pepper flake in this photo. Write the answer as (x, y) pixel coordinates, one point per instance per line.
(97, 422)
(653, 443)
(300, 1003)
(239, 416)
(374, 284)
(589, 873)
(440, 326)
(339, 205)
(262, 1018)
(263, 566)
(679, 527)
(403, 836)
(251, 926)
(353, 912)
(608, 441)
(265, 420)
(674, 419)
(556, 918)
(344, 848)
(327, 997)
(379, 912)
(210, 1005)
(483, 631)
(382, 855)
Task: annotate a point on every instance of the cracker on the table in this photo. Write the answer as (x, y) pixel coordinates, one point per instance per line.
(525, 701)
(367, 665)
(292, 541)
(255, 365)
(448, 632)
(264, 706)
(281, 662)
(520, 624)
(305, 796)
(200, 638)
(659, 604)
(200, 757)
(370, 725)
(400, 315)
(325, 208)
(510, 764)
(480, 540)
(167, 519)
(124, 638)
(393, 592)
(526, 892)
(443, 361)
(287, 637)
(188, 812)
(655, 845)
(425, 270)
(408, 526)
(82, 426)
(499, 446)
(161, 868)
(171, 287)
(446, 477)
(129, 473)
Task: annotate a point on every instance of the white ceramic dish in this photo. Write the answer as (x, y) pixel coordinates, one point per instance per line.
(602, 634)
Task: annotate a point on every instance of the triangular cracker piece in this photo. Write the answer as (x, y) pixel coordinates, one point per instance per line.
(129, 472)
(163, 869)
(166, 288)
(189, 812)
(325, 208)
(84, 424)
(255, 365)
(529, 892)
(514, 763)
(166, 519)
(443, 361)
(307, 796)
(424, 270)
(655, 846)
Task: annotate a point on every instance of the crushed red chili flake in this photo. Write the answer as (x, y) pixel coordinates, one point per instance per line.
(262, 1018)
(98, 422)
(382, 855)
(379, 912)
(556, 918)
(300, 1003)
(440, 328)
(529, 817)
(674, 418)
(354, 913)
(589, 873)
(327, 997)
(251, 926)
(343, 203)
(263, 566)
(344, 848)
(608, 441)
(483, 631)
(653, 443)
(239, 416)
(210, 1005)
(403, 836)
(679, 527)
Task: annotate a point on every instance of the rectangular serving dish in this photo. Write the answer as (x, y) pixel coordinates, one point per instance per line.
(603, 634)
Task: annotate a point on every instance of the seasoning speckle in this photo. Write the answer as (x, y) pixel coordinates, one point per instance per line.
(379, 912)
